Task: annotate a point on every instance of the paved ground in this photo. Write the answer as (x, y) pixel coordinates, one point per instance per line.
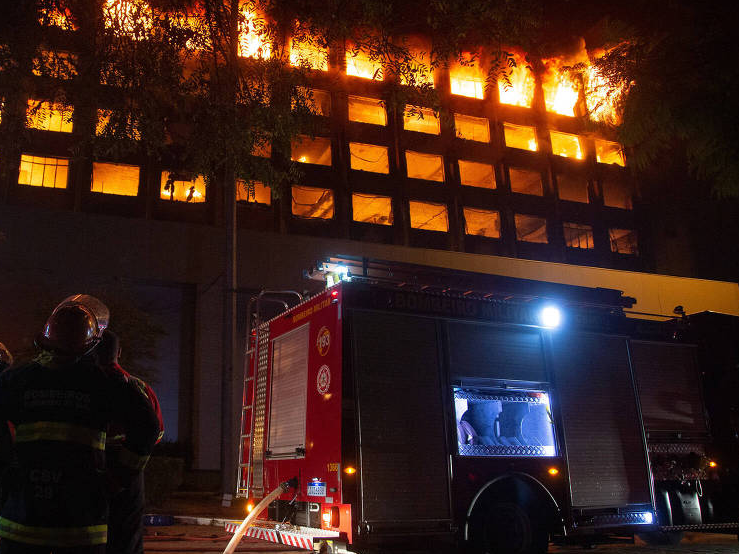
(199, 539)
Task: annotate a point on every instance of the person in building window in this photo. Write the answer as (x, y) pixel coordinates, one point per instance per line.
(61, 405)
(125, 521)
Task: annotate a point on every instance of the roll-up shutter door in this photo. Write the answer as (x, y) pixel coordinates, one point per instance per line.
(288, 393)
(487, 351)
(404, 468)
(669, 387)
(605, 447)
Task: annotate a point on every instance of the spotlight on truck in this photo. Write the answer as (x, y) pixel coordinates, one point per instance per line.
(550, 317)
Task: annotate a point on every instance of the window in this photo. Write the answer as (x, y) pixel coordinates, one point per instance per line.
(429, 216)
(483, 223)
(371, 208)
(526, 181)
(572, 188)
(578, 236)
(424, 166)
(288, 396)
(367, 110)
(504, 423)
(609, 152)
(517, 87)
(566, 145)
(472, 128)
(57, 16)
(623, 241)
(312, 202)
(617, 194)
(43, 172)
(48, 116)
(519, 136)
(109, 122)
(318, 101)
(128, 18)
(369, 157)
(253, 192)
(531, 229)
(421, 120)
(360, 64)
(117, 179)
(177, 187)
(418, 70)
(476, 174)
(253, 35)
(466, 76)
(57, 65)
(306, 53)
(311, 151)
(561, 90)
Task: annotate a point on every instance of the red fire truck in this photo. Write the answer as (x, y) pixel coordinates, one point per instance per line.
(495, 413)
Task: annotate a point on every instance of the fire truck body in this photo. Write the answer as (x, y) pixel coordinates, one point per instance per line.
(406, 413)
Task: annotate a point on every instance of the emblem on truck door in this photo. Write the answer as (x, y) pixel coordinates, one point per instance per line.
(323, 380)
(323, 341)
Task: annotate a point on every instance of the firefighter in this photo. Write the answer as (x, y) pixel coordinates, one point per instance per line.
(61, 405)
(125, 522)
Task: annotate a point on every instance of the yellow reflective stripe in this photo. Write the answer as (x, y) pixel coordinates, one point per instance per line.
(53, 536)
(57, 431)
(131, 459)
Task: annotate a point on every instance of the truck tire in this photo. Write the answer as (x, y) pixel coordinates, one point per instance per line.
(662, 538)
(508, 528)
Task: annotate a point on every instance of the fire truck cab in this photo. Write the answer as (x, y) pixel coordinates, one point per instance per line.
(490, 412)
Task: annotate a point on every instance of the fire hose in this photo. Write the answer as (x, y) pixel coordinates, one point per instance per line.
(258, 509)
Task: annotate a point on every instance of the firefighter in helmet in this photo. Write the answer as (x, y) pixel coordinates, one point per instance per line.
(61, 405)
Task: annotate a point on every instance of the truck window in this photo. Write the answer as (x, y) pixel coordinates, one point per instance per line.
(497, 422)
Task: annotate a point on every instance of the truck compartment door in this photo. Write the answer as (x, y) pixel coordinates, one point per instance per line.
(606, 454)
(404, 458)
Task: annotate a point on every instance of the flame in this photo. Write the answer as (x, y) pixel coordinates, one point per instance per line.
(467, 77)
(58, 16)
(601, 97)
(131, 18)
(253, 39)
(520, 90)
(561, 90)
(359, 64)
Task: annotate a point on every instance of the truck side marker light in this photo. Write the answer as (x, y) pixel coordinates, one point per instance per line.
(249, 506)
(334, 293)
(712, 464)
(550, 317)
(648, 517)
(553, 471)
(349, 470)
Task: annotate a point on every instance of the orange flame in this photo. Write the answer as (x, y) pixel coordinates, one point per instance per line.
(561, 90)
(520, 90)
(601, 97)
(467, 77)
(253, 38)
(131, 18)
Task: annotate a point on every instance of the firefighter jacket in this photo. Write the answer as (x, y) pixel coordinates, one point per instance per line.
(57, 493)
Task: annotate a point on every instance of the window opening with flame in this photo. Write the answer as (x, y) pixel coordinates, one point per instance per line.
(525, 181)
(418, 70)
(578, 235)
(306, 52)
(476, 174)
(312, 202)
(118, 179)
(371, 208)
(254, 39)
(601, 96)
(467, 77)
(520, 136)
(253, 192)
(561, 87)
(566, 145)
(360, 64)
(369, 157)
(311, 150)
(607, 152)
(482, 223)
(128, 18)
(367, 110)
(429, 216)
(421, 120)
(531, 229)
(58, 16)
(516, 87)
(179, 188)
(429, 167)
(472, 128)
(623, 241)
(37, 171)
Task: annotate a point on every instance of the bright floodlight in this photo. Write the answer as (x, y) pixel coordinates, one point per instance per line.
(648, 517)
(550, 317)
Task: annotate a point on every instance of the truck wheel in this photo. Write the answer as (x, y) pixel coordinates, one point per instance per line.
(508, 528)
(662, 538)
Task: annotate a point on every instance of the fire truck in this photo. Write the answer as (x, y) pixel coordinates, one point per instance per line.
(490, 412)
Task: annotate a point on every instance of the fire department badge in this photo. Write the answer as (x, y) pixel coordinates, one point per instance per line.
(323, 341)
(323, 381)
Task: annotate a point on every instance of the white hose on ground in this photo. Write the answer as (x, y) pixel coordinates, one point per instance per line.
(258, 509)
